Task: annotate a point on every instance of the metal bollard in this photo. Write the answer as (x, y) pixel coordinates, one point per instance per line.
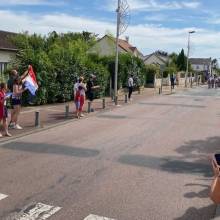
(159, 91)
(126, 98)
(116, 100)
(67, 111)
(103, 103)
(37, 119)
(89, 107)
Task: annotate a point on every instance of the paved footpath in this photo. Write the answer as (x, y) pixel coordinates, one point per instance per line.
(148, 160)
(53, 114)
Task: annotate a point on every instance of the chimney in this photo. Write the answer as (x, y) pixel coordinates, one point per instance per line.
(127, 38)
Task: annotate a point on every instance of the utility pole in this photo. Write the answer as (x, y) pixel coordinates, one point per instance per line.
(116, 57)
(122, 24)
(187, 64)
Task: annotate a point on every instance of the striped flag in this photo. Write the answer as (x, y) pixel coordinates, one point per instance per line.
(30, 81)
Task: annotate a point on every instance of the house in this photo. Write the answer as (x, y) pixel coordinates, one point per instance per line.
(7, 50)
(105, 46)
(159, 58)
(202, 65)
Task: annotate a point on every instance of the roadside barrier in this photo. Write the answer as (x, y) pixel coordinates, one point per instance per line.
(116, 100)
(103, 103)
(89, 107)
(67, 111)
(126, 98)
(37, 119)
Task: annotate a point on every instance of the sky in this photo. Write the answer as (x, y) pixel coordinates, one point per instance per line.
(152, 24)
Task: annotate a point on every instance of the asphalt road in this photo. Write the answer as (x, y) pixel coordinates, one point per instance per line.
(145, 161)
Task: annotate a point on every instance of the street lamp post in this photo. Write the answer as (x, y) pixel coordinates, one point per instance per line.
(187, 65)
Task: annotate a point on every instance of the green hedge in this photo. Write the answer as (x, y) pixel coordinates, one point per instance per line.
(59, 59)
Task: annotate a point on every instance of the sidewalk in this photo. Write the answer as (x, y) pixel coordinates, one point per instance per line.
(51, 115)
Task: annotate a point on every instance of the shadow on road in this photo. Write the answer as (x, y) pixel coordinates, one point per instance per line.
(169, 104)
(43, 148)
(168, 164)
(195, 159)
(108, 116)
(200, 214)
(200, 148)
(202, 194)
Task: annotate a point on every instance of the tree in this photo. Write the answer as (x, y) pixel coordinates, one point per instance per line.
(58, 59)
(181, 61)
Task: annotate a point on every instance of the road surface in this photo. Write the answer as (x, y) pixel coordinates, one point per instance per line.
(144, 161)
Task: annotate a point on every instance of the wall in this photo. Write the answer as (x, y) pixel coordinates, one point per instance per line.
(105, 47)
(6, 56)
(200, 67)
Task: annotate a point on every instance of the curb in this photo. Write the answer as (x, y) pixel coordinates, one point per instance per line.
(48, 127)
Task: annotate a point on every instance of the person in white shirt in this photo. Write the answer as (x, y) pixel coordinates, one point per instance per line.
(79, 96)
(130, 86)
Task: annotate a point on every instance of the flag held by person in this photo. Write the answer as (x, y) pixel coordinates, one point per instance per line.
(30, 81)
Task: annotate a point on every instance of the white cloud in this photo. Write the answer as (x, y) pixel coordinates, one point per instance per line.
(147, 38)
(155, 5)
(162, 18)
(29, 2)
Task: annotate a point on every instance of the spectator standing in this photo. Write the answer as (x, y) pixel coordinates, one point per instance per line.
(80, 97)
(16, 103)
(75, 89)
(172, 80)
(12, 77)
(3, 108)
(91, 88)
(130, 86)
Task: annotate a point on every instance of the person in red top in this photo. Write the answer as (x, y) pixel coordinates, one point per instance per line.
(3, 108)
(80, 97)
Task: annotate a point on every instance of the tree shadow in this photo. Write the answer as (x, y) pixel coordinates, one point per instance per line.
(195, 159)
(169, 104)
(203, 213)
(168, 164)
(201, 194)
(43, 148)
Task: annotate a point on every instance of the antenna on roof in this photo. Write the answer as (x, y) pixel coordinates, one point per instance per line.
(124, 12)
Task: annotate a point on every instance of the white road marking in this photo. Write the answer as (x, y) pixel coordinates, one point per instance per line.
(3, 196)
(96, 217)
(38, 211)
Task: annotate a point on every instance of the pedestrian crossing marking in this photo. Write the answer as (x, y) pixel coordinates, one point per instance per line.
(3, 196)
(38, 211)
(96, 217)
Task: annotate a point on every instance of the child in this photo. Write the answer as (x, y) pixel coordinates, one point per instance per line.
(3, 108)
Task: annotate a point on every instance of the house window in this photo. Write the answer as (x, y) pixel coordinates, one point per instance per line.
(3, 67)
(197, 67)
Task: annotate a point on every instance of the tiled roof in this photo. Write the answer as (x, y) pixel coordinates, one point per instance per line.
(200, 61)
(124, 45)
(128, 47)
(164, 59)
(5, 42)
